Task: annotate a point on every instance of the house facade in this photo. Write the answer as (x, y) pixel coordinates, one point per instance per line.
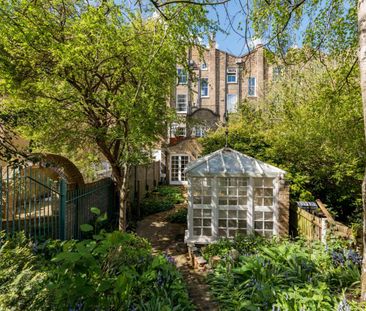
(219, 82)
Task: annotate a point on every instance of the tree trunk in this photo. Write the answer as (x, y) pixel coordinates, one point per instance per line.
(122, 179)
(362, 60)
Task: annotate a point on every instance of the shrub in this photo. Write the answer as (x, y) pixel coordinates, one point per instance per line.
(280, 275)
(162, 199)
(179, 216)
(114, 271)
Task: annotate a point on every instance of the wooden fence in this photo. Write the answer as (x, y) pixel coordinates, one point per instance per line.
(312, 227)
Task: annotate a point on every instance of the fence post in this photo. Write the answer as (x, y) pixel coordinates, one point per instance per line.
(62, 211)
(324, 230)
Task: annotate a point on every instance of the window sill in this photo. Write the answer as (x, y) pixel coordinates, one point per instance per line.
(205, 96)
(182, 112)
(232, 82)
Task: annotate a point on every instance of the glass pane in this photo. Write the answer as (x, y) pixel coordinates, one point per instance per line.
(197, 222)
(222, 214)
(222, 223)
(233, 202)
(258, 201)
(268, 215)
(258, 215)
(268, 192)
(206, 200)
(207, 222)
(268, 182)
(242, 201)
(242, 214)
(207, 191)
(196, 231)
(222, 202)
(197, 213)
(258, 182)
(232, 233)
(242, 192)
(197, 200)
(268, 225)
(242, 231)
(258, 192)
(268, 202)
(233, 223)
(258, 225)
(222, 233)
(197, 192)
(243, 182)
(206, 213)
(207, 231)
(232, 214)
(222, 182)
(243, 224)
(223, 192)
(232, 191)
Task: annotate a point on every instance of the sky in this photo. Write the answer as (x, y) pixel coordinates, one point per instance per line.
(231, 41)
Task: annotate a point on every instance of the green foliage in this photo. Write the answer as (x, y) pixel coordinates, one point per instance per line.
(281, 275)
(179, 216)
(162, 199)
(309, 124)
(114, 272)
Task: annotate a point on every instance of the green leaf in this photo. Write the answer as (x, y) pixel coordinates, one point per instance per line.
(86, 228)
(95, 211)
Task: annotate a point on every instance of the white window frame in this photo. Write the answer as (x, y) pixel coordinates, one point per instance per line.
(199, 129)
(255, 87)
(235, 107)
(208, 88)
(229, 72)
(186, 103)
(204, 67)
(182, 72)
(250, 208)
(174, 127)
(179, 181)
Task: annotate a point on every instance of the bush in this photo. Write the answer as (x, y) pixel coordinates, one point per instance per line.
(179, 216)
(114, 271)
(162, 199)
(281, 275)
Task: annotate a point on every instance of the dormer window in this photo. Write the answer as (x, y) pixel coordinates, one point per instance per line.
(232, 75)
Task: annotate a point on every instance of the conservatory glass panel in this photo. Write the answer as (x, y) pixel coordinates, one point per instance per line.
(232, 199)
(202, 221)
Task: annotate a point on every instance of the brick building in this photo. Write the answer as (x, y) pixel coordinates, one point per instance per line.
(220, 81)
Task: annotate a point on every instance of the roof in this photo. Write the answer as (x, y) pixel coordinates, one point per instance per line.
(229, 162)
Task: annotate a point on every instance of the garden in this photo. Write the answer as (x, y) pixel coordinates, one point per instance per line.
(108, 271)
(253, 273)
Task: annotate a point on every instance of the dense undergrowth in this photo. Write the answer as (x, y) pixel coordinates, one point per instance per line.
(112, 271)
(162, 199)
(258, 274)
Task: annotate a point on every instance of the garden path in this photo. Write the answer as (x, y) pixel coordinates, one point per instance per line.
(169, 238)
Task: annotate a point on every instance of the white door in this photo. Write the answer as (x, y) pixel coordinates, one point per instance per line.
(177, 165)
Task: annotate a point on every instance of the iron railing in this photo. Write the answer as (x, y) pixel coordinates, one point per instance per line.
(45, 206)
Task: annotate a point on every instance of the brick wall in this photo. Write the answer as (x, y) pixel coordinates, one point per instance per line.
(283, 209)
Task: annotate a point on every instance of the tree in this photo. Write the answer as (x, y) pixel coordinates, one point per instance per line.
(323, 26)
(77, 73)
(310, 124)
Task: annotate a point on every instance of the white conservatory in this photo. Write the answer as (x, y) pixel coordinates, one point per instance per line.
(231, 193)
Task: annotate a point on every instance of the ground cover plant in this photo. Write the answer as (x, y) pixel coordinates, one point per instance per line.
(284, 275)
(162, 199)
(179, 216)
(112, 271)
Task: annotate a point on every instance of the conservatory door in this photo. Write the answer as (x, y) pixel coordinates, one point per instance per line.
(264, 216)
(233, 206)
(201, 189)
(177, 165)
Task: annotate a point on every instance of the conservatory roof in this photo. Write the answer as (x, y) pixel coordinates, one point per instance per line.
(229, 162)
